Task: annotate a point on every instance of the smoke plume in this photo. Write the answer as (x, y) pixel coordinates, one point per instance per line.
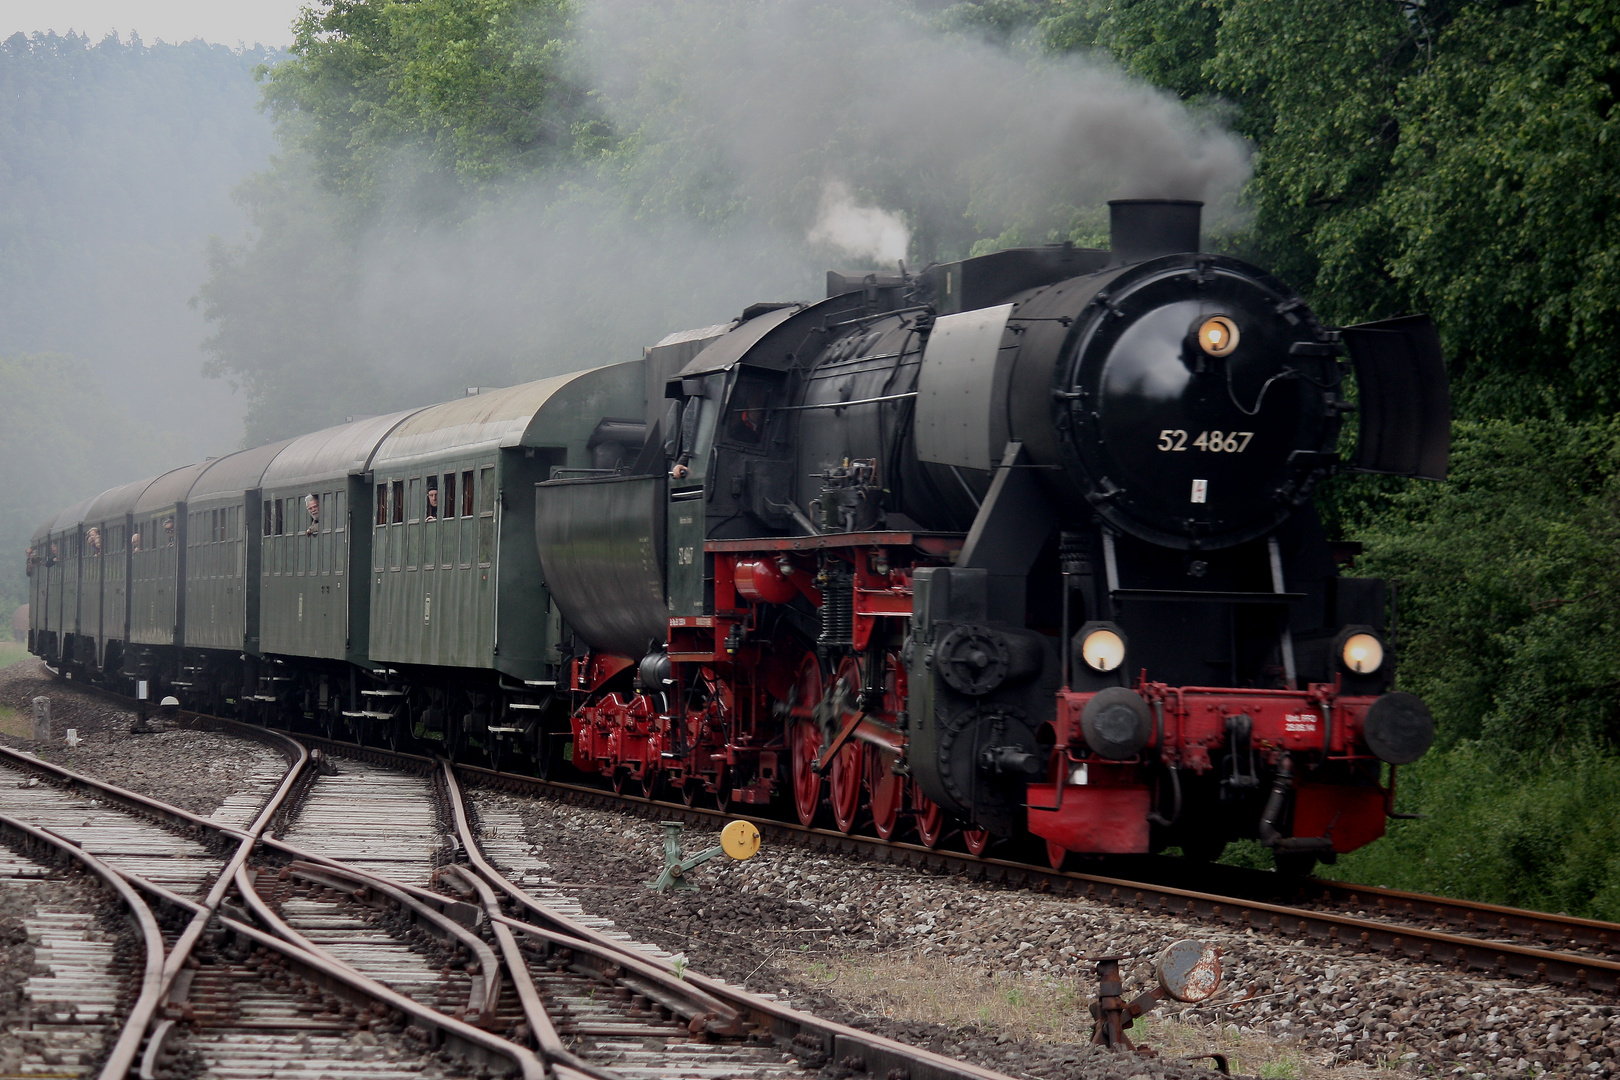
(864, 232)
(772, 140)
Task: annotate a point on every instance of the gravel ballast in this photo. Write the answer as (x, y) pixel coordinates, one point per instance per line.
(899, 950)
(194, 770)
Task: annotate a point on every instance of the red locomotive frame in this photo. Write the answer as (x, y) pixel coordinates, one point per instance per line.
(752, 734)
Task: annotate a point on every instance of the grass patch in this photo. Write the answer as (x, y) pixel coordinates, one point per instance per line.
(12, 652)
(15, 723)
(951, 994)
(956, 995)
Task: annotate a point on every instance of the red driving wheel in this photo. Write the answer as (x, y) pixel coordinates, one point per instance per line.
(845, 772)
(888, 790)
(806, 741)
(1056, 854)
(806, 783)
(844, 786)
(930, 818)
(976, 840)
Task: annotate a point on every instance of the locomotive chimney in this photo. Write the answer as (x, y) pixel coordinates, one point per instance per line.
(1147, 228)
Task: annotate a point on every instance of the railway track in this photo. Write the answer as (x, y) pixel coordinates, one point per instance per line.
(1510, 942)
(353, 942)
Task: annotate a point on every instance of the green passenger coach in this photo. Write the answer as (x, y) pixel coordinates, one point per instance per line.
(452, 523)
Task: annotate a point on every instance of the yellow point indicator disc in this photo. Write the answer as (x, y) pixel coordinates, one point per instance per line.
(740, 840)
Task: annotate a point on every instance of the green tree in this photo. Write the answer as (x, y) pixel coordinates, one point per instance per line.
(390, 94)
(1419, 157)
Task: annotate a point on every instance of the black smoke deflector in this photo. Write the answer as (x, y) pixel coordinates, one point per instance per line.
(1403, 395)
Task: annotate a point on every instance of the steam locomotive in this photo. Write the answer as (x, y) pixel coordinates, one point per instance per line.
(1022, 546)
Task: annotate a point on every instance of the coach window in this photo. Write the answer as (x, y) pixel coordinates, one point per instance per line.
(323, 535)
(297, 528)
(413, 528)
(486, 515)
(289, 527)
(396, 518)
(430, 524)
(468, 519)
(447, 511)
(379, 534)
(340, 530)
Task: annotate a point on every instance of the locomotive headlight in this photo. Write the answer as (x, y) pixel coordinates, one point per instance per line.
(1362, 653)
(1103, 650)
(1217, 335)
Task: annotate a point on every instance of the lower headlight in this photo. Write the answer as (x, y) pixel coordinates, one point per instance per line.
(1103, 650)
(1362, 653)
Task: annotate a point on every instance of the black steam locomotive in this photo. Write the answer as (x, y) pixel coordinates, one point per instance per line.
(1020, 545)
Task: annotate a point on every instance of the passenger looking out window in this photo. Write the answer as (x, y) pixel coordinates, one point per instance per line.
(312, 505)
(432, 502)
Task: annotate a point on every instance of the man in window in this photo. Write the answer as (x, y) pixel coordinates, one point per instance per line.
(432, 502)
(312, 503)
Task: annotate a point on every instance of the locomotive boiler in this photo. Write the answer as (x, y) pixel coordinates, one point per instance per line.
(1019, 547)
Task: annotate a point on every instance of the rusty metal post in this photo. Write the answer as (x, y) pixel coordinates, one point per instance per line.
(1187, 971)
(1109, 1008)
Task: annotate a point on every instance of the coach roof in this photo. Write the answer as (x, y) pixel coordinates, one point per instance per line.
(333, 452)
(235, 473)
(116, 502)
(168, 489)
(509, 417)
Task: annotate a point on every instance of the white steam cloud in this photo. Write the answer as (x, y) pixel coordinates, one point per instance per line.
(865, 232)
(775, 139)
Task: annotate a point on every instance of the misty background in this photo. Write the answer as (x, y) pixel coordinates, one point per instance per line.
(458, 195)
(117, 162)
